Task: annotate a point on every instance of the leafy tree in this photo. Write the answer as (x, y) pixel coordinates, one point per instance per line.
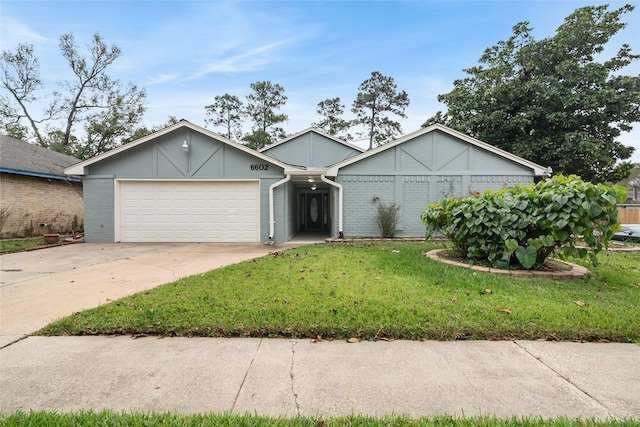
(331, 111)
(551, 101)
(106, 109)
(261, 108)
(227, 113)
(21, 78)
(634, 177)
(144, 131)
(379, 96)
(257, 139)
(633, 181)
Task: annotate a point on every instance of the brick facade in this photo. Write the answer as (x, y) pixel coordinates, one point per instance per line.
(362, 193)
(31, 201)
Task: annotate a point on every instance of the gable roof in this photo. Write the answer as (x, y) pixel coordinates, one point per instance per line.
(538, 170)
(79, 169)
(21, 158)
(315, 130)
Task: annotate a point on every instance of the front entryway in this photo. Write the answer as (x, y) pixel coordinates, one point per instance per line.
(314, 211)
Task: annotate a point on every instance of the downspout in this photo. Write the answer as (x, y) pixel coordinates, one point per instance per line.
(271, 214)
(339, 187)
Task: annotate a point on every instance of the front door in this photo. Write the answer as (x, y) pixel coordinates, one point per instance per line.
(315, 211)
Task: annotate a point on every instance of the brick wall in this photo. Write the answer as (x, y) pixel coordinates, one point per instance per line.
(416, 193)
(412, 193)
(361, 196)
(31, 201)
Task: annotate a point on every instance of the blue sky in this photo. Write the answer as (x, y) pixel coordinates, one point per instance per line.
(184, 53)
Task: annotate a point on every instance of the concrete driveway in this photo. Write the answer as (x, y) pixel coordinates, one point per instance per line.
(40, 286)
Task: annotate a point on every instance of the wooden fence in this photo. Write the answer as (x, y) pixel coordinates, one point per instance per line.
(629, 214)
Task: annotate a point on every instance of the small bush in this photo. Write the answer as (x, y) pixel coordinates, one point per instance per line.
(527, 224)
(387, 219)
(5, 213)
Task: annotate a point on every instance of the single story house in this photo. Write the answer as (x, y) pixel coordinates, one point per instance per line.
(36, 196)
(187, 184)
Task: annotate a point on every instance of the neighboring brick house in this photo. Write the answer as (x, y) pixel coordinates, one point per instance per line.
(36, 196)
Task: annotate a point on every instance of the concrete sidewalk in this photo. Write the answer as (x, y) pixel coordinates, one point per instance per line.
(291, 377)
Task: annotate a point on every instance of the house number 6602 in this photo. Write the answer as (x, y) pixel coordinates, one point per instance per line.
(259, 167)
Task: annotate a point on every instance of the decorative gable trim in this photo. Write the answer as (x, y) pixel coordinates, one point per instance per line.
(79, 168)
(314, 130)
(537, 169)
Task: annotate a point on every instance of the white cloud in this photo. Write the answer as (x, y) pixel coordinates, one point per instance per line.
(14, 32)
(161, 78)
(247, 61)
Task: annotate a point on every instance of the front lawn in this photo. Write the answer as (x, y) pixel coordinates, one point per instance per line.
(382, 290)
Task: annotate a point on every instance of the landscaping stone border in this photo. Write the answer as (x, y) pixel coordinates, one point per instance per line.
(576, 272)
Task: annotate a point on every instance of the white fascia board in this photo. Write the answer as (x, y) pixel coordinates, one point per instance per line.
(537, 169)
(79, 168)
(311, 172)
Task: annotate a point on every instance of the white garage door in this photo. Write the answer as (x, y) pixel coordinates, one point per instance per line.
(189, 211)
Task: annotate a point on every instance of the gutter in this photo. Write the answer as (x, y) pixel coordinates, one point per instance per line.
(39, 175)
(271, 213)
(339, 187)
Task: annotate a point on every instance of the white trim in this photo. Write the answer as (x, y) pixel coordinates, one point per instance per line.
(309, 130)
(537, 169)
(79, 168)
(117, 190)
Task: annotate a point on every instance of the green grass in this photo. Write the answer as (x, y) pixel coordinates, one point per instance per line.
(109, 418)
(19, 245)
(373, 291)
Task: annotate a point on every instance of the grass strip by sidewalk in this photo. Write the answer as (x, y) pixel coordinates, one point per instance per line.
(113, 419)
(372, 291)
(8, 246)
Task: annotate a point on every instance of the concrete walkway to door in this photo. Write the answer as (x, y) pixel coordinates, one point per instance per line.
(43, 285)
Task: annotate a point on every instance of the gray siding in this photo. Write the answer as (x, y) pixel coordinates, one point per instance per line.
(290, 211)
(99, 219)
(432, 154)
(164, 158)
(420, 171)
(311, 149)
(415, 194)
(334, 220)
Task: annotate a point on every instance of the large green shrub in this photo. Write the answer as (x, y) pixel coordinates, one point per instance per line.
(526, 224)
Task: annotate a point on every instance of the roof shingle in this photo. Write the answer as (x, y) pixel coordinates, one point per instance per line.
(21, 156)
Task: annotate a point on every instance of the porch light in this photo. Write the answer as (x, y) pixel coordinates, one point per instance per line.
(311, 179)
(185, 146)
(313, 187)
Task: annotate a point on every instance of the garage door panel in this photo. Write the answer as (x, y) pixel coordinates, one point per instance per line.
(191, 211)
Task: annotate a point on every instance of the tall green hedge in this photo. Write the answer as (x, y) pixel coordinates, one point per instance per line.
(523, 225)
